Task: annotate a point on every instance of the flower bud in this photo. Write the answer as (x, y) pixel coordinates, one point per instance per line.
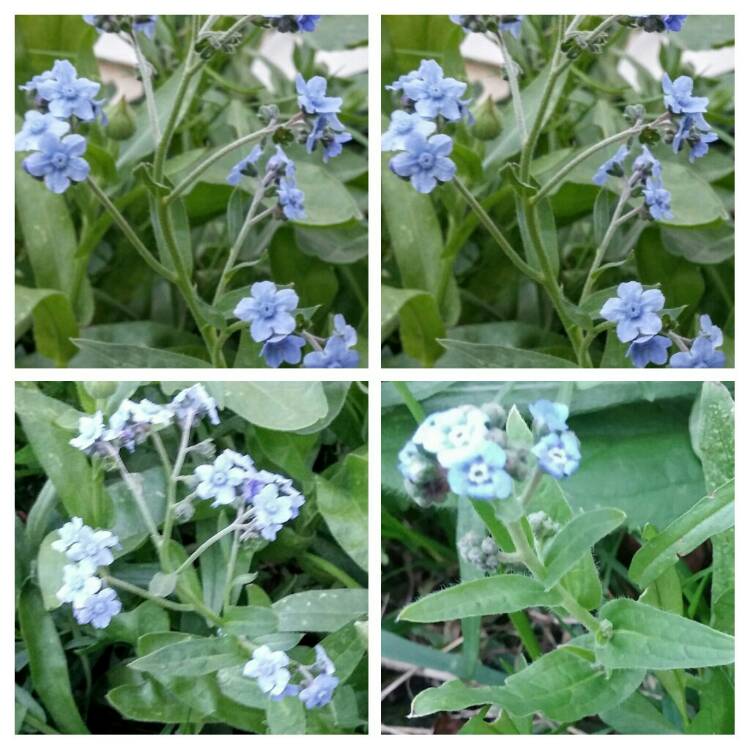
(488, 124)
(99, 389)
(121, 123)
(517, 463)
(495, 413)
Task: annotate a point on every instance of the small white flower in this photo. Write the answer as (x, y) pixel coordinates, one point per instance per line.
(90, 430)
(79, 583)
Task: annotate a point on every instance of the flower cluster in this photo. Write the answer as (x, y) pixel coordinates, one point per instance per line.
(265, 501)
(482, 24)
(321, 114)
(128, 24)
(428, 99)
(133, 423)
(272, 315)
(688, 121)
(656, 24)
(59, 95)
(482, 552)
(288, 24)
(279, 677)
(638, 315)
(466, 450)
(87, 550)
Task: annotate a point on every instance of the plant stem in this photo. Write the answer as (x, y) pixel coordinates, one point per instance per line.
(172, 472)
(226, 334)
(130, 233)
(212, 158)
(515, 91)
(496, 234)
(526, 634)
(250, 219)
(198, 551)
(604, 244)
(531, 487)
(138, 591)
(231, 565)
(144, 66)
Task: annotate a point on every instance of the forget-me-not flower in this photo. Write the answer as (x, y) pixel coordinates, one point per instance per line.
(433, 94)
(402, 125)
(453, 435)
(649, 349)
(559, 454)
(79, 583)
(291, 199)
(319, 691)
(335, 354)
(69, 534)
(270, 669)
(695, 132)
(220, 480)
(425, 161)
(550, 414)
(245, 166)
(269, 310)
(58, 161)
(634, 310)
(283, 348)
(702, 354)
(710, 331)
(35, 125)
(193, 403)
(272, 510)
(93, 546)
(482, 476)
(613, 166)
(91, 431)
(68, 95)
(99, 609)
(658, 199)
(312, 98)
(323, 662)
(647, 164)
(678, 96)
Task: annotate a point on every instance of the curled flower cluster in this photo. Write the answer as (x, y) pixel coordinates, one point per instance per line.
(60, 96)
(279, 677)
(128, 24)
(87, 550)
(482, 552)
(482, 24)
(428, 99)
(466, 450)
(133, 423)
(265, 501)
(272, 315)
(638, 315)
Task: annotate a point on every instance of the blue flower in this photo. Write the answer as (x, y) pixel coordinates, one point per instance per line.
(662, 23)
(69, 534)
(425, 161)
(66, 94)
(646, 349)
(35, 125)
(336, 353)
(678, 96)
(91, 431)
(99, 609)
(710, 331)
(269, 668)
(559, 454)
(272, 510)
(647, 164)
(261, 479)
(115, 24)
(323, 662)
(658, 199)
(401, 81)
(327, 130)
(413, 464)
(93, 546)
(58, 162)
(295, 23)
(244, 167)
(402, 125)
(550, 414)
(434, 94)
(269, 310)
(291, 198)
(79, 583)
(308, 23)
(634, 311)
(694, 131)
(32, 86)
(279, 349)
(319, 691)
(701, 355)
(312, 96)
(613, 166)
(222, 480)
(482, 476)
(674, 23)
(193, 403)
(280, 163)
(453, 435)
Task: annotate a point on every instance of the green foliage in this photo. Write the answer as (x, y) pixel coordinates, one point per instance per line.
(604, 647)
(172, 660)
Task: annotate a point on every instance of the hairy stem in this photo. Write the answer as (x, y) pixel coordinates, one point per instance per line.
(515, 91)
(138, 591)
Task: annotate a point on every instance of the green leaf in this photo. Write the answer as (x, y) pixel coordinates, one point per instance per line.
(103, 354)
(286, 716)
(566, 686)
(649, 638)
(320, 610)
(716, 712)
(327, 201)
(281, 406)
(49, 571)
(637, 715)
(493, 595)
(53, 320)
(150, 702)
(49, 668)
(487, 355)
(192, 658)
(345, 648)
(576, 538)
(710, 515)
(342, 502)
(339, 32)
(451, 696)
(250, 622)
(709, 244)
(243, 690)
